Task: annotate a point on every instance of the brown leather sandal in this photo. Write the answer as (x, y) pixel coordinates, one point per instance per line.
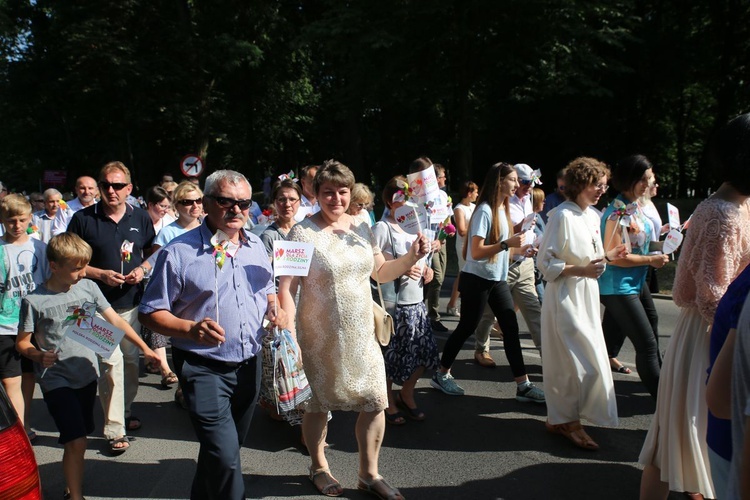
(575, 433)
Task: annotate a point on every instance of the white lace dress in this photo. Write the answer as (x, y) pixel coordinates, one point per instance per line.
(716, 250)
(335, 329)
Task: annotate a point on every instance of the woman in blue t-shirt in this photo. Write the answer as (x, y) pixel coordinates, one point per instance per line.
(483, 281)
(629, 309)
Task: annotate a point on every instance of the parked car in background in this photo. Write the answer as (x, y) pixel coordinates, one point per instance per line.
(19, 474)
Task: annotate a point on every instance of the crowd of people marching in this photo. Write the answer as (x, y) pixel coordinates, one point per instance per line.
(172, 270)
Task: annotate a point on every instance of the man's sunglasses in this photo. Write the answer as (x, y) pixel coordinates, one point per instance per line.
(229, 203)
(117, 186)
(189, 203)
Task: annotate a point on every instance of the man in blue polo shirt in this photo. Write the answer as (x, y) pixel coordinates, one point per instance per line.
(105, 226)
(220, 373)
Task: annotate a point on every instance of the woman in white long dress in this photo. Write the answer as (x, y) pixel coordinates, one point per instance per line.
(577, 378)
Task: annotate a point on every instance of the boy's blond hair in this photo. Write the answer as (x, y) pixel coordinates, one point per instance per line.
(14, 205)
(68, 247)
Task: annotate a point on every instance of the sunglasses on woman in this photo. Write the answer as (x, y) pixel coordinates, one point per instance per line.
(190, 203)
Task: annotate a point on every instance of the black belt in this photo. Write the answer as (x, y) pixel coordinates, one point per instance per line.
(197, 359)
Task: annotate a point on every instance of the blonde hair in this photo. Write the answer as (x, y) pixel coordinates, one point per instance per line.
(181, 191)
(68, 247)
(14, 205)
(361, 194)
(538, 196)
(114, 166)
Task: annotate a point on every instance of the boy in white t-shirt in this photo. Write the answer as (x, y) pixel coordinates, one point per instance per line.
(23, 266)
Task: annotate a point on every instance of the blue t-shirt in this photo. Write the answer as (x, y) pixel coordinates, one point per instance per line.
(719, 432)
(618, 280)
(481, 225)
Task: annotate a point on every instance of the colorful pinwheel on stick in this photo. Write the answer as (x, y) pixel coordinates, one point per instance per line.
(289, 176)
(622, 215)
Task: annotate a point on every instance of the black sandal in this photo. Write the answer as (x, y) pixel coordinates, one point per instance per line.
(395, 419)
(412, 413)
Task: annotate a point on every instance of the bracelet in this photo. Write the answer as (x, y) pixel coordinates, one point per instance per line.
(607, 258)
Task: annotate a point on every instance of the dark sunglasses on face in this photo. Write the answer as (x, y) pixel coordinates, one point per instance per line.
(525, 183)
(117, 186)
(229, 203)
(189, 203)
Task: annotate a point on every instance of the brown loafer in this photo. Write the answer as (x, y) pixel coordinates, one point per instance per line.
(484, 359)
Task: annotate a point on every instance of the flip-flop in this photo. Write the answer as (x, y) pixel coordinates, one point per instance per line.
(115, 450)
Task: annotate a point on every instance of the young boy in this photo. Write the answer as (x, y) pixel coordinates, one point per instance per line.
(67, 371)
(23, 267)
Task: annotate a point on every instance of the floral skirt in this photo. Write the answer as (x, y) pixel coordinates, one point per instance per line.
(413, 344)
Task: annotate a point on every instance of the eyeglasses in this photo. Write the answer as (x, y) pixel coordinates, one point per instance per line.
(526, 183)
(602, 187)
(284, 201)
(117, 186)
(190, 203)
(229, 203)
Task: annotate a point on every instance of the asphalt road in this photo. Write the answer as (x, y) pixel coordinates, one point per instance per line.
(484, 445)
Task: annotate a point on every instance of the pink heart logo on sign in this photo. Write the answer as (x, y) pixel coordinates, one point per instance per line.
(279, 252)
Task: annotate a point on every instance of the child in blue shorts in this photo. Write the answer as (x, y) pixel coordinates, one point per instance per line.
(66, 370)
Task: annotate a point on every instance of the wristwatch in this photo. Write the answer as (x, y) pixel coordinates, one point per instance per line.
(503, 246)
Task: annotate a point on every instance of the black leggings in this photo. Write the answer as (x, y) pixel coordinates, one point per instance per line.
(477, 292)
(634, 317)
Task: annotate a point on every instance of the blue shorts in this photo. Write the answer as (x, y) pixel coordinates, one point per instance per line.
(72, 410)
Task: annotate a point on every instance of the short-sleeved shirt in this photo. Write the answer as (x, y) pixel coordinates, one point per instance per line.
(740, 400)
(397, 244)
(269, 235)
(45, 313)
(481, 225)
(106, 238)
(185, 281)
(63, 216)
(22, 269)
(719, 430)
(44, 222)
(618, 280)
(168, 233)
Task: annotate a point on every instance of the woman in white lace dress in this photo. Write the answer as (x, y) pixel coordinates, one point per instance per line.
(716, 250)
(335, 330)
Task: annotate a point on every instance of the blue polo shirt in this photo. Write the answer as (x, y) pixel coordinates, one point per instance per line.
(106, 237)
(184, 282)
